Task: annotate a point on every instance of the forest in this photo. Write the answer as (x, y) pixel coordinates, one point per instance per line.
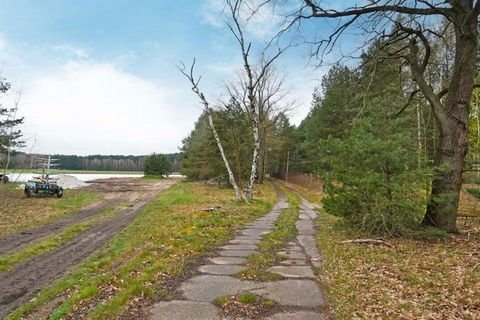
(392, 156)
(92, 162)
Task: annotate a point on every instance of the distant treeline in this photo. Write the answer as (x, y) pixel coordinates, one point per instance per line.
(92, 162)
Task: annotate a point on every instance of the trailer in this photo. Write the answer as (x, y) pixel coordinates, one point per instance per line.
(44, 184)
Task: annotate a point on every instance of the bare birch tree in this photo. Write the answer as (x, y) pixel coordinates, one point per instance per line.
(254, 77)
(273, 103)
(208, 111)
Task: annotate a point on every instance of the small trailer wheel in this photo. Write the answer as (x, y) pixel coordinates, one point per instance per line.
(28, 192)
(59, 193)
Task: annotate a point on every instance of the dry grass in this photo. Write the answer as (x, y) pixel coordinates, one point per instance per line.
(18, 212)
(143, 261)
(312, 195)
(415, 280)
(437, 278)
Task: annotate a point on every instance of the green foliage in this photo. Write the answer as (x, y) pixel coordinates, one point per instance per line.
(202, 159)
(157, 165)
(373, 181)
(335, 104)
(370, 157)
(473, 156)
(9, 135)
(96, 163)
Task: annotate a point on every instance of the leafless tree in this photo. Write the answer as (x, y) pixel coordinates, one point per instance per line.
(194, 81)
(412, 22)
(273, 102)
(254, 76)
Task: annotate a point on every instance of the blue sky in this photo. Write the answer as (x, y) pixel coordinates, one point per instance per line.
(97, 77)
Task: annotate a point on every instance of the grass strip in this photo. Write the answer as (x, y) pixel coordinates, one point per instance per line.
(283, 230)
(8, 261)
(158, 245)
(18, 213)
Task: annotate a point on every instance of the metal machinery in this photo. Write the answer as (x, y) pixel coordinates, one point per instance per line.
(44, 184)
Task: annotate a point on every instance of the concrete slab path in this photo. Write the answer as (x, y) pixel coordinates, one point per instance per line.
(298, 294)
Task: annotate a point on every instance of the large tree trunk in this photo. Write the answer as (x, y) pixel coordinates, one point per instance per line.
(453, 144)
(446, 186)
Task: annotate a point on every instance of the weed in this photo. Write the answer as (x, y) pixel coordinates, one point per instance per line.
(156, 246)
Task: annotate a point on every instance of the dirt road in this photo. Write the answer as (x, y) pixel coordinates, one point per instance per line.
(20, 284)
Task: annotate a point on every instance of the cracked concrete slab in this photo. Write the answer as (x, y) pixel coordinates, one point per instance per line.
(301, 293)
(293, 271)
(247, 237)
(305, 227)
(221, 269)
(310, 246)
(255, 232)
(293, 262)
(227, 260)
(239, 247)
(245, 241)
(295, 255)
(210, 287)
(184, 310)
(236, 253)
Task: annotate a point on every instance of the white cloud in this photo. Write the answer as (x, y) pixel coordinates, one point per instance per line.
(72, 50)
(87, 108)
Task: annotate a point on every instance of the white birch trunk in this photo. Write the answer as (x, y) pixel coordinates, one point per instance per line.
(206, 107)
(419, 137)
(231, 177)
(256, 150)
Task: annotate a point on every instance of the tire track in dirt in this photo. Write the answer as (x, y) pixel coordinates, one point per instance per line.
(20, 284)
(19, 240)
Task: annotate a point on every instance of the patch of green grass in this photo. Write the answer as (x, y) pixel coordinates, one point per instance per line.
(247, 298)
(18, 213)
(283, 230)
(220, 301)
(153, 177)
(8, 261)
(170, 233)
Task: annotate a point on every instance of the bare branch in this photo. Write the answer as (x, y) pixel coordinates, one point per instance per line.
(318, 11)
(410, 98)
(191, 78)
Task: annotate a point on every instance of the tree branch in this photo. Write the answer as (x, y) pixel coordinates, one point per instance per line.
(318, 11)
(427, 90)
(410, 98)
